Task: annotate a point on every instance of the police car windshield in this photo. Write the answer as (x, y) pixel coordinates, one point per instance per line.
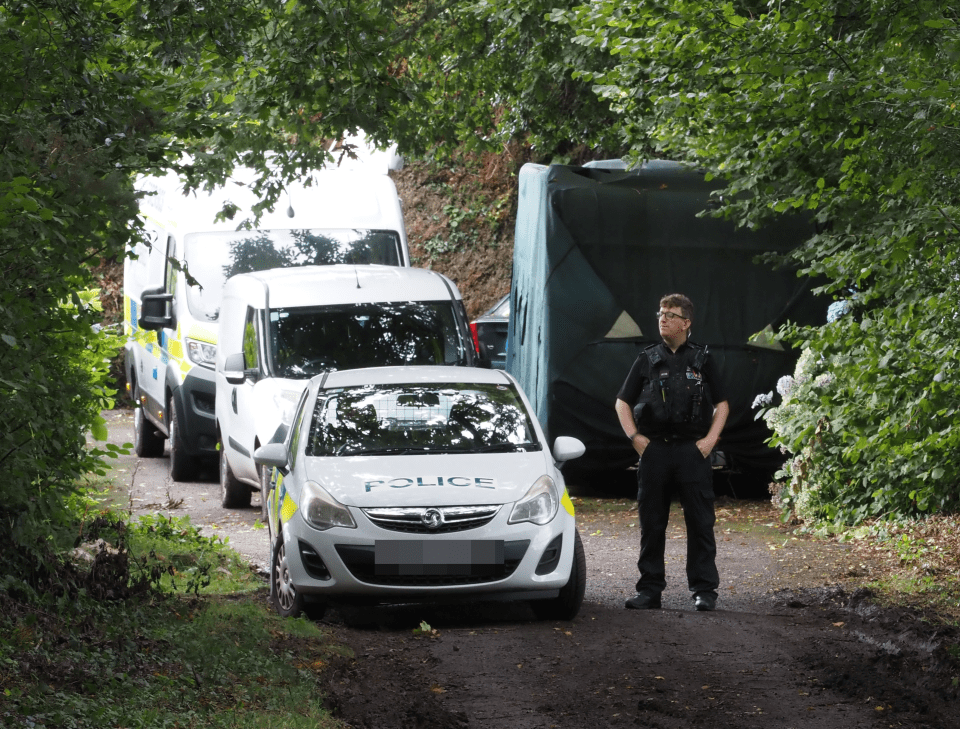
(405, 419)
(306, 341)
(213, 257)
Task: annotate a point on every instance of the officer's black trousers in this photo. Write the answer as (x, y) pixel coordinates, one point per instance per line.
(668, 469)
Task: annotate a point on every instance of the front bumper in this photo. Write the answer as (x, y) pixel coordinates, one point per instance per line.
(341, 564)
(195, 402)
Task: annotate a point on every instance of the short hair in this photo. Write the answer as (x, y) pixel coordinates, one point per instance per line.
(678, 301)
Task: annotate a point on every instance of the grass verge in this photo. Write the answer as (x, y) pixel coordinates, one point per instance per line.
(198, 648)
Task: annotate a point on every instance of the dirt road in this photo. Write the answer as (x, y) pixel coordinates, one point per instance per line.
(794, 642)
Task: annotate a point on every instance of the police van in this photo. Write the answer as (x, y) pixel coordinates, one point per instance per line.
(173, 285)
(279, 328)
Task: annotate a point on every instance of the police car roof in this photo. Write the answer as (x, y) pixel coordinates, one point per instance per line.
(349, 284)
(426, 374)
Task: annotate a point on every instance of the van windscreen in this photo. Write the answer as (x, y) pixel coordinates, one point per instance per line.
(305, 341)
(215, 256)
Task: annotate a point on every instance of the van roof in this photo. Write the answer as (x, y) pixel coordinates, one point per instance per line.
(349, 284)
(334, 199)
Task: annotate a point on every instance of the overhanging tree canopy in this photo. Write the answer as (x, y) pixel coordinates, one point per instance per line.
(846, 110)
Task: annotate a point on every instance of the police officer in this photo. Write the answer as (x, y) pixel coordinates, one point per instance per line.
(672, 407)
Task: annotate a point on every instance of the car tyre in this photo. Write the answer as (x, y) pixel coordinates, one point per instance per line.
(147, 442)
(567, 604)
(287, 600)
(234, 494)
(183, 467)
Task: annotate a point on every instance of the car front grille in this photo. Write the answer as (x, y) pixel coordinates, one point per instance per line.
(361, 561)
(431, 519)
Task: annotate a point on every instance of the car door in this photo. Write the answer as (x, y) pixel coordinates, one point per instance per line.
(276, 490)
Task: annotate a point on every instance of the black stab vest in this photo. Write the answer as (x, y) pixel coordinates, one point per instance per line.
(675, 401)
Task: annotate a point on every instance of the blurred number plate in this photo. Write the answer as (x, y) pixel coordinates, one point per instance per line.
(449, 557)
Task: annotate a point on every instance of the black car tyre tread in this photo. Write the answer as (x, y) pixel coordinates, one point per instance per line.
(183, 467)
(147, 442)
(567, 604)
(234, 494)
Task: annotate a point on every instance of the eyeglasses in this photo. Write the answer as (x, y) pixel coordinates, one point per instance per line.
(668, 315)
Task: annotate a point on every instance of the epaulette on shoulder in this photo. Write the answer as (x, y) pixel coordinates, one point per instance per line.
(653, 354)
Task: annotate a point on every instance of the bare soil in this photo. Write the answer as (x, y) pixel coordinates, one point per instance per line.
(797, 640)
(794, 643)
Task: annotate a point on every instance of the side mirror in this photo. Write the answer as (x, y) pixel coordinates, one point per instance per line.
(271, 454)
(566, 449)
(233, 369)
(153, 310)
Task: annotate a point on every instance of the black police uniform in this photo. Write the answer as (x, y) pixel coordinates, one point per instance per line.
(674, 395)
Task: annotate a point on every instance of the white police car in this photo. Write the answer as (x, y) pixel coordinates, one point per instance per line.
(401, 484)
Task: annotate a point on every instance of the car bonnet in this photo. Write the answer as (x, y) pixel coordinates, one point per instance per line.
(437, 479)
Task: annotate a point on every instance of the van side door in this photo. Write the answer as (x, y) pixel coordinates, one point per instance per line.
(240, 415)
(153, 366)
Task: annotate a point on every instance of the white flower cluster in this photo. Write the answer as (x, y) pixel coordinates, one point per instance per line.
(785, 386)
(823, 380)
(762, 401)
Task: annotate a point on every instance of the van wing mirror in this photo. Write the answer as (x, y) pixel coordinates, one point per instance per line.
(271, 454)
(233, 369)
(153, 310)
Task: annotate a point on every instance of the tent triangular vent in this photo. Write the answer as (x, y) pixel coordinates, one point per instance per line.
(624, 328)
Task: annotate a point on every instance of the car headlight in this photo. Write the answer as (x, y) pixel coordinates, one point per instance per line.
(201, 353)
(539, 505)
(322, 511)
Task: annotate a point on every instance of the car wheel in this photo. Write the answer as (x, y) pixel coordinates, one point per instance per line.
(567, 604)
(234, 494)
(183, 467)
(286, 599)
(147, 442)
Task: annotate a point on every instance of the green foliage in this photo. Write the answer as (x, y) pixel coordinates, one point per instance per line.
(171, 663)
(95, 92)
(129, 641)
(192, 563)
(846, 112)
(485, 73)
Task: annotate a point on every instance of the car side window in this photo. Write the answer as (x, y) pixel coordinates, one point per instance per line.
(296, 430)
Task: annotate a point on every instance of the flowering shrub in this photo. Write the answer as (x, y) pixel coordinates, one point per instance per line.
(870, 431)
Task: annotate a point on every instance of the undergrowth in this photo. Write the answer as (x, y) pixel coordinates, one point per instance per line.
(157, 639)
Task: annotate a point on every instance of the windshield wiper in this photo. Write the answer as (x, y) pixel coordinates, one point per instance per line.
(490, 448)
(405, 450)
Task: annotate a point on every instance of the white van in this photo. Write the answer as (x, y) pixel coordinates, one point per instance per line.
(281, 327)
(171, 325)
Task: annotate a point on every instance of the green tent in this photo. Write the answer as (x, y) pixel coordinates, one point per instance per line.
(595, 249)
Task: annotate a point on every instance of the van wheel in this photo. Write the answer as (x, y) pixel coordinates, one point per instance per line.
(183, 467)
(147, 442)
(567, 604)
(234, 494)
(286, 599)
